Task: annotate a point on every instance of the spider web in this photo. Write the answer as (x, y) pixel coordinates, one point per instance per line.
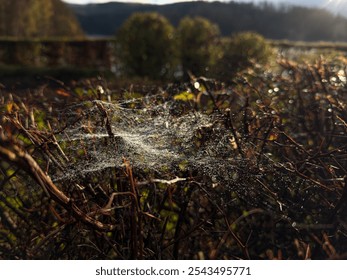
(167, 137)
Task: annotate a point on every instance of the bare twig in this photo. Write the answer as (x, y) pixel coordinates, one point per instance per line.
(11, 152)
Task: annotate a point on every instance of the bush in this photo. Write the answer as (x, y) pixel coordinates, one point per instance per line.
(146, 46)
(243, 50)
(197, 38)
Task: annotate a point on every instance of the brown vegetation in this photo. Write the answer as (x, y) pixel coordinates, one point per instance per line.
(280, 192)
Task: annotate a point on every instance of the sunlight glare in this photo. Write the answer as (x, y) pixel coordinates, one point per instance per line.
(335, 3)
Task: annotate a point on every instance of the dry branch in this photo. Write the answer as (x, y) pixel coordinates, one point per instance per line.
(13, 153)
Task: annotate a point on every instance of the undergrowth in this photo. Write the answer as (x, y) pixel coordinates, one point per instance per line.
(252, 169)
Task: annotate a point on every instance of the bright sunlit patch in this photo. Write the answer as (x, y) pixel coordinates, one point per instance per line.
(158, 2)
(333, 4)
(342, 76)
(335, 1)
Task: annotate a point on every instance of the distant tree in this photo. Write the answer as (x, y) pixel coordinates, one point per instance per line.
(197, 43)
(243, 50)
(37, 18)
(146, 42)
(64, 22)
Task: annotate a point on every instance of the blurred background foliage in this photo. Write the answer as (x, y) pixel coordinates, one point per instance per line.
(197, 39)
(147, 46)
(37, 19)
(244, 50)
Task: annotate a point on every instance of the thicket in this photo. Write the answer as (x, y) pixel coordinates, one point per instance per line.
(251, 170)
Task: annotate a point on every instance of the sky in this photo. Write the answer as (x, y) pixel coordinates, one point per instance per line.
(310, 2)
(160, 2)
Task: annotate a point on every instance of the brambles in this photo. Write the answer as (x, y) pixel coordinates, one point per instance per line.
(253, 170)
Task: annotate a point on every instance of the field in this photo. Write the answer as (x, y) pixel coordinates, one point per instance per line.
(249, 168)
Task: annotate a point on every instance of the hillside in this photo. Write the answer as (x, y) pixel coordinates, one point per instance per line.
(287, 22)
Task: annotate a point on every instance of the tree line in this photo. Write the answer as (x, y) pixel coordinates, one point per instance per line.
(271, 21)
(150, 46)
(146, 45)
(37, 18)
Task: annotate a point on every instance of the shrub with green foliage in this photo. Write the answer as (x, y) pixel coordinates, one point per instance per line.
(243, 50)
(197, 40)
(146, 46)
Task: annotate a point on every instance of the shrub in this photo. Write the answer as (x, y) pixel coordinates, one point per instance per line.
(197, 37)
(146, 45)
(243, 50)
